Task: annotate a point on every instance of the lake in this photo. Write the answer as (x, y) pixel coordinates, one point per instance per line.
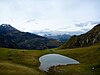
(49, 60)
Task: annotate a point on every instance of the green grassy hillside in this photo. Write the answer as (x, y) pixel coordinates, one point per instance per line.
(20, 62)
(89, 58)
(25, 62)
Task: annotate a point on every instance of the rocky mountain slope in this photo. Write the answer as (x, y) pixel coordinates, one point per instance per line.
(87, 39)
(10, 37)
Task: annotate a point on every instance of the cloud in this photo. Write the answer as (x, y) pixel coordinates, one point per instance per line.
(30, 20)
(30, 15)
(81, 25)
(89, 23)
(86, 29)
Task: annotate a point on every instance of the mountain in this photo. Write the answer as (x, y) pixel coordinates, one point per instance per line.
(87, 39)
(10, 37)
(55, 32)
(7, 28)
(62, 38)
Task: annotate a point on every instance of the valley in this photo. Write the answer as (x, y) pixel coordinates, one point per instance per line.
(49, 37)
(26, 61)
(23, 62)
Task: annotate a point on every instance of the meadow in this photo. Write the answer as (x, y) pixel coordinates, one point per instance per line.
(26, 62)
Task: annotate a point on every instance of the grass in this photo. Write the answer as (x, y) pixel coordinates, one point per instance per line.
(16, 62)
(15, 69)
(89, 58)
(26, 62)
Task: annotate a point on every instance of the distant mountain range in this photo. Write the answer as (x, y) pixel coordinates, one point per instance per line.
(87, 39)
(10, 37)
(62, 38)
(55, 33)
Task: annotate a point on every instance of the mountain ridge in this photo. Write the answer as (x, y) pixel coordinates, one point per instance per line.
(83, 40)
(10, 37)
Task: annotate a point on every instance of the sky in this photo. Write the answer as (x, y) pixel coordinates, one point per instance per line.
(56, 15)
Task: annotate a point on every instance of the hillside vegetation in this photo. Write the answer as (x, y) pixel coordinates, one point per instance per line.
(26, 62)
(84, 40)
(89, 58)
(20, 62)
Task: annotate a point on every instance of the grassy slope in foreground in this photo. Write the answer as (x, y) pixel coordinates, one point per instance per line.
(25, 62)
(89, 58)
(20, 62)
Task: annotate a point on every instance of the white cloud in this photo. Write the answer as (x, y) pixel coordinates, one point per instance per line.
(48, 14)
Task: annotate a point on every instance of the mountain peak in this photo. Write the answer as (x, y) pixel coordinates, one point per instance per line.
(5, 25)
(10, 37)
(6, 28)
